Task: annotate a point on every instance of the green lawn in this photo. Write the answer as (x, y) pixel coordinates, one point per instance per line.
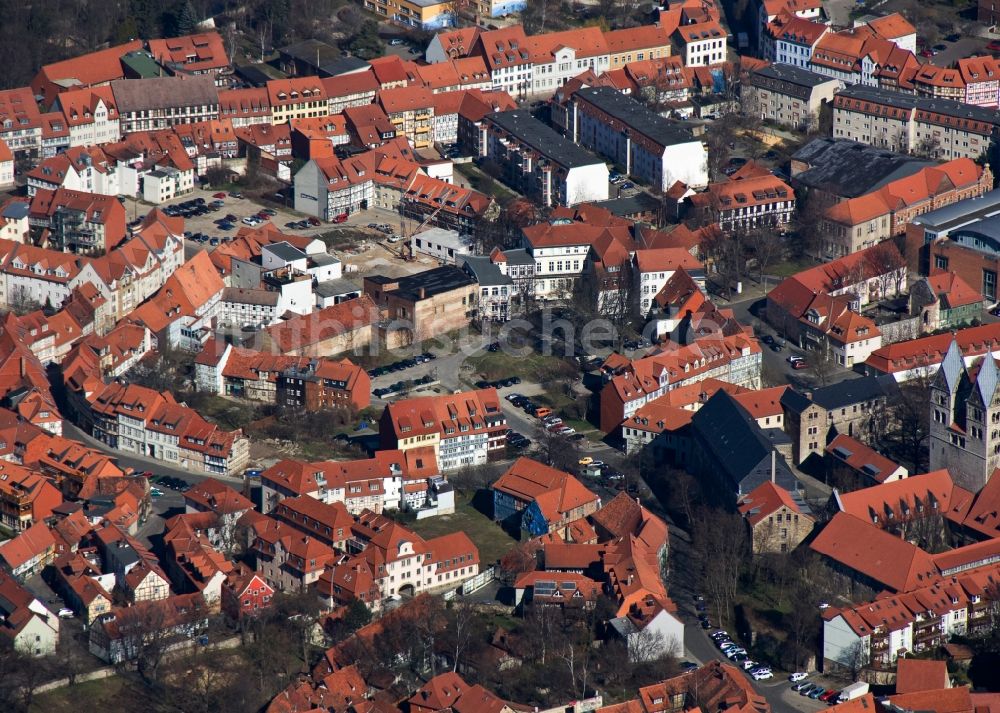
(485, 184)
(533, 367)
(488, 536)
(69, 699)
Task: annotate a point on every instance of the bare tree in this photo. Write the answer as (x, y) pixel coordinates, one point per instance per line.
(885, 264)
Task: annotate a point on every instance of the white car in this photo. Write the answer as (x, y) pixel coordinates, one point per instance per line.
(748, 664)
(66, 613)
(761, 675)
(798, 676)
(793, 358)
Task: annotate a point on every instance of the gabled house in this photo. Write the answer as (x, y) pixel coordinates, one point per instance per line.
(538, 499)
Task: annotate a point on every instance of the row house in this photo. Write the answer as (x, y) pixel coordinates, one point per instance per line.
(702, 44)
(55, 134)
(789, 39)
(508, 59)
(472, 131)
(389, 480)
(91, 115)
(652, 149)
(26, 497)
(768, 10)
(387, 560)
(637, 44)
(981, 77)
(455, 75)
(538, 161)
(139, 267)
(78, 221)
(753, 197)
(28, 552)
(863, 221)
(183, 312)
(736, 359)
(36, 276)
(207, 142)
(876, 634)
(411, 111)
(180, 619)
(20, 122)
(138, 420)
(328, 187)
(319, 137)
(939, 83)
(163, 102)
(557, 57)
(940, 128)
(369, 126)
(559, 249)
(243, 107)
(296, 98)
(788, 94)
(349, 90)
(312, 384)
(463, 429)
(200, 53)
(84, 169)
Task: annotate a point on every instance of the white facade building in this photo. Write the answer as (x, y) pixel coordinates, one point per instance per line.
(543, 164)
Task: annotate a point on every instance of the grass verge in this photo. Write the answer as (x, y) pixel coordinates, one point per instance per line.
(491, 539)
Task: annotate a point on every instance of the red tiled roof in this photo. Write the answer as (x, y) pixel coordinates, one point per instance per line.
(765, 500)
(882, 557)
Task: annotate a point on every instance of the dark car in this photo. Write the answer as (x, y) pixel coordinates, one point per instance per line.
(775, 347)
(226, 226)
(953, 37)
(493, 347)
(767, 339)
(940, 47)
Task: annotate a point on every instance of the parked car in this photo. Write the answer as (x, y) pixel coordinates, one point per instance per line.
(66, 613)
(396, 42)
(798, 676)
(235, 194)
(994, 46)
(761, 675)
(627, 186)
(801, 364)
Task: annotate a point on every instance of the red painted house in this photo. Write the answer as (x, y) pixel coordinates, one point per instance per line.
(245, 593)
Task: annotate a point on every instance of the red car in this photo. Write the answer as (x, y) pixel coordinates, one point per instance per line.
(926, 53)
(994, 46)
(220, 196)
(829, 696)
(264, 216)
(342, 218)
(800, 365)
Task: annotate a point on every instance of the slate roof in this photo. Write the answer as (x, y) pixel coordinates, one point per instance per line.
(543, 139)
(850, 169)
(854, 391)
(738, 445)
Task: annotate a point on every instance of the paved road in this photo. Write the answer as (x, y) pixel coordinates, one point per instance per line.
(698, 647)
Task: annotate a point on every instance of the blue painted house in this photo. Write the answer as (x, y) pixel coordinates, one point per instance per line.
(538, 499)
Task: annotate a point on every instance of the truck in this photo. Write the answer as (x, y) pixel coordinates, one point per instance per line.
(855, 690)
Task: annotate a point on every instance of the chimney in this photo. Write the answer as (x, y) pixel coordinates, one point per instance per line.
(422, 292)
(774, 459)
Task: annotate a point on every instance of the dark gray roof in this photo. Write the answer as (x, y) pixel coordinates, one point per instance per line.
(325, 59)
(543, 139)
(948, 107)
(252, 75)
(794, 401)
(850, 169)
(790, 73)
(518, 256)
(738, 446)
(636, 116)
(285, 251)
(635, 204)
(961, 213)
(433, 282)
(855, 391)
(16, 210)
(485, 271)
(333, 288)
(161, 92)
